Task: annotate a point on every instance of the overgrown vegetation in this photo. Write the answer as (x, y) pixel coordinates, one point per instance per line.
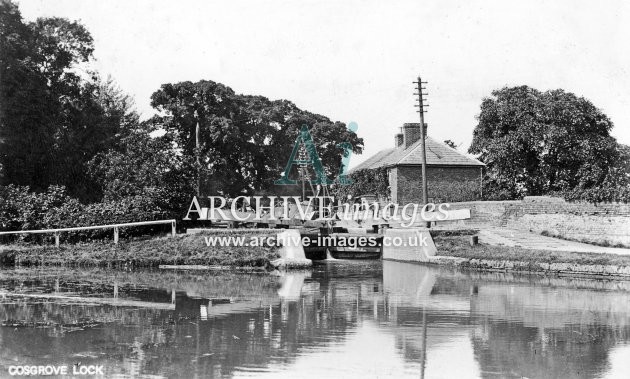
(367, 181)
(21, 209)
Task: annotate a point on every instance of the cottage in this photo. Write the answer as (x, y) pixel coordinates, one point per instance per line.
(451, 175)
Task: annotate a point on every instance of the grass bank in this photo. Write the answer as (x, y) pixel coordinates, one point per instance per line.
(185, 249)
(603, 242)
(505, 258)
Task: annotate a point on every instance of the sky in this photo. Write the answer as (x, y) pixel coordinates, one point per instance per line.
(357, 60)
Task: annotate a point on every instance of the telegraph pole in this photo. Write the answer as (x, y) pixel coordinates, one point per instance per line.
(421, 110)
(197, 152)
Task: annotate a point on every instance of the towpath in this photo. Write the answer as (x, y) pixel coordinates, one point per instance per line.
(528, 240)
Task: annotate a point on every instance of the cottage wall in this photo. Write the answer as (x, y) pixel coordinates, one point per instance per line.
(445, 184)
(393, 182)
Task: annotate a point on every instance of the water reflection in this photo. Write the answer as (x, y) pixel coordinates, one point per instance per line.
(343, 319)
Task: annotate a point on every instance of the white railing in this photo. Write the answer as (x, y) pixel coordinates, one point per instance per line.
(116, 228)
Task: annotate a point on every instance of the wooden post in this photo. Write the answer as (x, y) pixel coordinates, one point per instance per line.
(173, 231)
(57, 240)
(115, 235)
(474, 240)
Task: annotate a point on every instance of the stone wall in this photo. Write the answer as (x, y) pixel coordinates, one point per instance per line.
(485, 214)
(603, 223)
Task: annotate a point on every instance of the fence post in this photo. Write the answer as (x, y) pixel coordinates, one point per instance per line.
(173, 231)
(57, 239)
(115, 235)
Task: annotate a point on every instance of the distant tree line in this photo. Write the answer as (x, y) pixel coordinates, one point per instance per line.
(71, 141)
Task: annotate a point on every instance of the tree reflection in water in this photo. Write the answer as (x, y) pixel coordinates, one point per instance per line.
(215, 324)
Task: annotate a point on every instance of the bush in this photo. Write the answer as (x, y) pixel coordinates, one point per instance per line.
(598, 194)
(21, 209)
(496, 189)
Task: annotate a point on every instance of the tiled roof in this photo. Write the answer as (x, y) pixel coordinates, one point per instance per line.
(375, 160)
(438, 154)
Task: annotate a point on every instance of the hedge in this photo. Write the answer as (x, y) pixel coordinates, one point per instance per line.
(21, 209)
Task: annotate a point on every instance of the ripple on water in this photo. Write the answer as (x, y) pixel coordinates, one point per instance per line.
(342, 319)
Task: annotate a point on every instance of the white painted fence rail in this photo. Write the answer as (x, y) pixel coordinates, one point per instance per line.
(116, 228)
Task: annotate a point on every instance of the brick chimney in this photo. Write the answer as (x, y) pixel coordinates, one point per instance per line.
(398, 140)
(411, 133)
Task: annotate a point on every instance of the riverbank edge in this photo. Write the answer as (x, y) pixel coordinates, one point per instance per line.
(180, 250)
(454, 250)
(189, 250)
(517, 267)
(605, 243)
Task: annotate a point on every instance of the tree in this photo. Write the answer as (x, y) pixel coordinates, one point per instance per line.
(535, 142)
(96, 120)
(24, 107)
(614, 187)
(146, 166)
(244, 140)
(54, 114)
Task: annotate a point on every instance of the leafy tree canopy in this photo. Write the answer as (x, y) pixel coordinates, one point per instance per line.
(145, 166)
(55, 114)
(535, 142)
(245, 140)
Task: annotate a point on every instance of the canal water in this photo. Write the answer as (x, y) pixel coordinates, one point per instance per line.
(345, 319)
